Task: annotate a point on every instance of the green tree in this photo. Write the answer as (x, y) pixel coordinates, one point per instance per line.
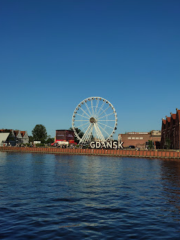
(79, 132)
(150, 144)
(31, 139)
(50, 140)
(39, 133)
(168, 143)
(92, 137)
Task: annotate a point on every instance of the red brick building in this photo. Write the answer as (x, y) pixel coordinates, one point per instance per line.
(140, 139)
(64, 135)
(170, 131)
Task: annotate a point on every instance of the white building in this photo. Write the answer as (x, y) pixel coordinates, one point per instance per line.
(3, 138)
(15, 136)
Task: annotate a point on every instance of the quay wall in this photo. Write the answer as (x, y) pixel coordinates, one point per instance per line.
(120, 153)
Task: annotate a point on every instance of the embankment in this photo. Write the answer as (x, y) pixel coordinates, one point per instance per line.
(119, 153)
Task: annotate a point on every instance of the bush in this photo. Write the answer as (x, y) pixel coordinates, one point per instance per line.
(150, 144)
(40, 145)
(50, 140)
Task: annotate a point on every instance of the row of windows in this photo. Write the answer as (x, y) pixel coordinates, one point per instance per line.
(135, 137)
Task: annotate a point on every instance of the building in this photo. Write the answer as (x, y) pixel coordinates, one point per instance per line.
(16, 136)
(21, 136)
(170, 131)
(140, 139)
(65, 135)
(3, 137)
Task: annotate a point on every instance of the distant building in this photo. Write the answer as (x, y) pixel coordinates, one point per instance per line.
(170, 131)
(140, 139)
(3, 137)
(65, 135)
(16, 136)
(21, 136)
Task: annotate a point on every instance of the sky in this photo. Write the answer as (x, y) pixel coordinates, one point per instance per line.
(56, 53)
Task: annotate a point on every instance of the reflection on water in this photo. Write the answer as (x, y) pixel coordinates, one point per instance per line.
(48, 196)
(171, 184)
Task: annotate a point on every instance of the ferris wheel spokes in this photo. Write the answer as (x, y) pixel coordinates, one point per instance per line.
(101, 107)
(106, 115)
(82, 116)
(106, 125)
(85, 112)
(87, 134)
(104, 111)
(92, 107)
(96, 107)
(82, 125)
(96, 118)
(104, 131)
(87, 107)
(106, 120)
(99, 133)
(85, 120)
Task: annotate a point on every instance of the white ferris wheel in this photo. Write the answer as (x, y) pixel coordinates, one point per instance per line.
(94, 118)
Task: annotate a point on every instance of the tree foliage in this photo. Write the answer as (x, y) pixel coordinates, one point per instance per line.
(168, 143)
(150, 144)
(50, 140)
(31, 139)
(79, 132)
(39, 133)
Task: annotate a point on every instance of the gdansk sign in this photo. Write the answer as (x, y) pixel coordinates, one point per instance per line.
(108, 145)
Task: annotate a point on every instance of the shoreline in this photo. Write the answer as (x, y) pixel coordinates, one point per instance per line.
(101, 152)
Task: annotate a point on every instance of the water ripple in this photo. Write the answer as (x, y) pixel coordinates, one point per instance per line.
(82, 197)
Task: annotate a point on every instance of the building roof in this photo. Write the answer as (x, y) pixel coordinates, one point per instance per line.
(137, 133)
(178, 113)
(164, 121)
(5, 130)
(168, 119)
(64, 130)
(173, 116)
(16, 132)
(23, 133)
(3, 137)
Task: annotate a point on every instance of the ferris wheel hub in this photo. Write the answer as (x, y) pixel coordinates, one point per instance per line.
(92, 120)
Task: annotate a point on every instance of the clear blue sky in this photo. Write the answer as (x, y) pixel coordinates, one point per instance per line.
(56, 53)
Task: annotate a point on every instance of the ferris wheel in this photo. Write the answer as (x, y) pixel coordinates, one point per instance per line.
(94, 118)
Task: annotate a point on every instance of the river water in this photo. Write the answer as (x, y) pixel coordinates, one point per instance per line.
(48, 196)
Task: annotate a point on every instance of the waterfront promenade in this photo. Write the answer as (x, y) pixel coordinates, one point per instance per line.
(102, 152)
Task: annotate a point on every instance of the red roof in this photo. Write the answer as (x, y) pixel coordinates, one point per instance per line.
(164, 121)
(173, 116)
(178, 112)
(16, 133)
(5, 130)
(168, 119)
(23, 133)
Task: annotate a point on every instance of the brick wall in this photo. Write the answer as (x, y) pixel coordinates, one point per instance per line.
(138, 139)
(170, 131)
(123, 153)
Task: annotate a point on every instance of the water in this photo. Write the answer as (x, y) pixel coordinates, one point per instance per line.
(48, 196)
